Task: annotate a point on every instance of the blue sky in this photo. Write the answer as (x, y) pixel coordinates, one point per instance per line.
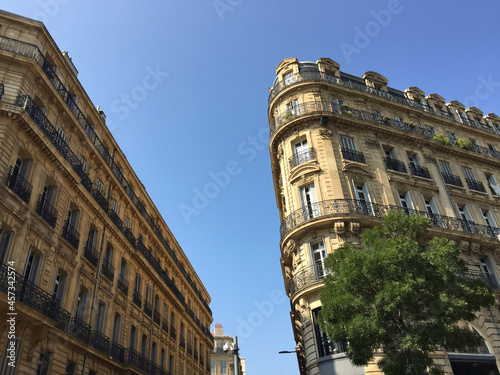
(198, 124)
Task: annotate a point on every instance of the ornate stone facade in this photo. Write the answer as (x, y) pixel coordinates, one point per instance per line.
(344, 151)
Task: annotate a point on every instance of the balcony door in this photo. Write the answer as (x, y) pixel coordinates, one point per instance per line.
(318, 252)
(309, 202)
(488, 272)
(32, 267)
(433, 212)
(468, 224)
(301, 152)
(363, 203)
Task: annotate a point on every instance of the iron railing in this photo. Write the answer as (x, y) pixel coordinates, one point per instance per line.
(19, 185)
(34, 297)
(100, 342)
(452, 179)
(108, 270)
(122, 284)
(393, 95)
(417, 170)
(91, 254)
(395, 165)
(129, 235)
(164, 325)
(117, 352)
(137, 298)
(353, 206)
(182, 342)
(353, 155)
(156, 317)
(307, 276)
(80, 330)
(45, 210)
(148, 308)
(115, 219)
(190, 348)
(71, 235)
(100, 199)
(173, 333)
(475, 185)
(302, 157)
(489, 279)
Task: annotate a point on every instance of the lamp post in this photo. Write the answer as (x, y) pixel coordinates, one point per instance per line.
(233, 347)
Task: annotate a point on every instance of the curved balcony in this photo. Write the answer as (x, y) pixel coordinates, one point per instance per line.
(307, 276)
(353, 206)
(302, 157)
(392, 95)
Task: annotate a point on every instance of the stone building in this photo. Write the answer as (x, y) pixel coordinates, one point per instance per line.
(101, 285)
(222, 362)
(345, 150)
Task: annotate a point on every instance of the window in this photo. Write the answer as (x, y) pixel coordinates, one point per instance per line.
(5, 365)
(289, 78)
(99, 186)
(490, 222)
(20, 168)
(32, 266)
(48, 194)
(452, 137)
(405, 202)
(100, 318)
(223, 366)
(83, 162)
(162, 359)
(363, 201)
(133, 334)
(127, 223)
(309, 202)
(390, 153)
(81, 304)
(318, 253)
(153, 352)
(445, 167)
(117, 327)
(70, 368)
(63, 137)
(114, 206)
(413, 159)
(469, 175)
(171, 364)
(467, 223)
(72, 218)
(432, 211)
(348, 143)
(43, 365)
(488, 272)
(59, 286)
(301, 153)
(324, 345)
(5, 240)
(293, 107)
(495, 188)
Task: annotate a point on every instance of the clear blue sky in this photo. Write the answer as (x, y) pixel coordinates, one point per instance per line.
(205, 113)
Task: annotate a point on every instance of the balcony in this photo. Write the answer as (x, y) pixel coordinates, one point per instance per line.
(122, 284)
(117, 352)
(302, 157)
(353, 155)
(129, 236)
(182, 342)
(306, 277)
(417, 170)
(156, 317)
(100, 342)
(148, 308)
(395, 165)
(451, 179)
(475, 185)
(91, 254)
(189, 348)
(100, 199)
(137, 299)
(115, 219)
(19, 185)
(80, 330)
(71, 235)
(164, 325)
(45, 210)
(489, 278)
(108, 270)
(342, 207)
(34, 297)
(173, 334)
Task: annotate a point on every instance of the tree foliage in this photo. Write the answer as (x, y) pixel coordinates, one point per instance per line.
(397, 294)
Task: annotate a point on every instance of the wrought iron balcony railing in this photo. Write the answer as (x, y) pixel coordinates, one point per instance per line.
(81, 330)
(91, 254)
(137, 299)
(353, 206)
(129, 235)
(306, 277)
(19, 185)
(452, 179)
(71, 235)
(122, 284)
(392, 95)
(189, 348)
(353, 155)
(156, 317)
(182, 342)
(417, 170)
(395, 165)
(475, 185)
(117, 352)
(489, 279)
(148, 308)
(115, 219)
(164, 325)
(108, 270)
(173, 333)
(45, 210)
(100, 342)
(100, 199)
(34, 297)
(302, 157)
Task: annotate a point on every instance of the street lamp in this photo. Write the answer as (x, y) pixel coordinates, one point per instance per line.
(287, 351)
(233, 347)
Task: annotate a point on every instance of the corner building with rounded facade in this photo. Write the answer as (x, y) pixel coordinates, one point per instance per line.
(344, 151)
(90, 271)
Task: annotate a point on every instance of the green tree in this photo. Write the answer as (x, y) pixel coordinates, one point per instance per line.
(400, 294)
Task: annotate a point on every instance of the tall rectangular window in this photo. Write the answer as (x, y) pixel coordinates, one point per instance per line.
(309, 202)
(293, 107)
(81, 304)
(301, 153)
(6, 366)
(5, 240)
(32, 266)
(405, 202)
(363, 200)
(318, 253)
(324, 345)
(59, 286)
(70, 368)
(101, 317)
(433, 212)
(43, 365)
(488, 272)
(348, 143)
(133, 334)
(117, 328)
(223, 366)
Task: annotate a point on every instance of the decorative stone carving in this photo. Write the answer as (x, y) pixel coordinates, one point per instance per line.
(372, 143)
(475, 246)
(288, 272)
(325, 133)
(339, 227)
(354, 227)
(280, 152)
(464, 245)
